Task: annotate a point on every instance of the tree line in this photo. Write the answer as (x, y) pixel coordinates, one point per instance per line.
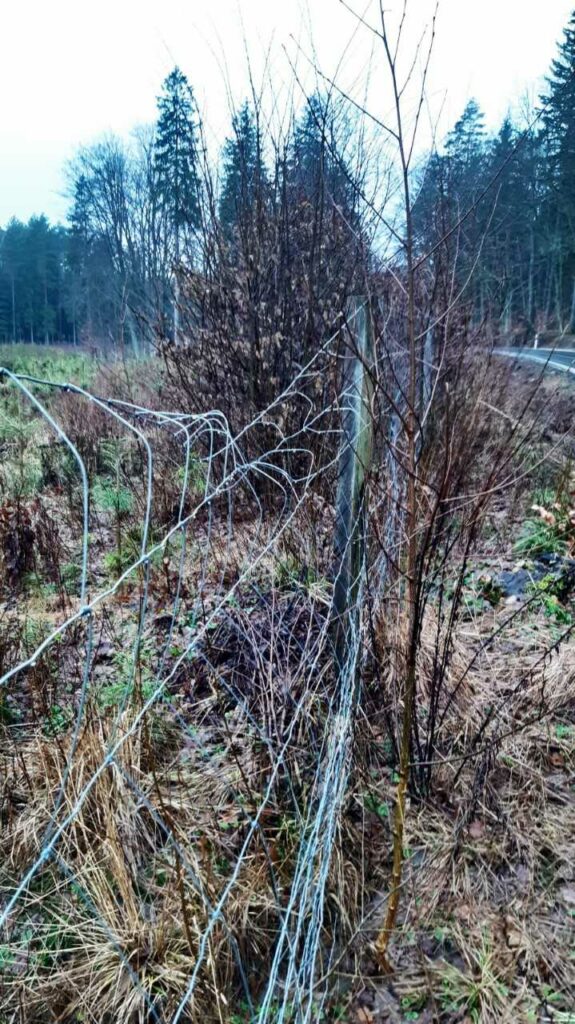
(159, 245)
(147, 211)
(503, 208)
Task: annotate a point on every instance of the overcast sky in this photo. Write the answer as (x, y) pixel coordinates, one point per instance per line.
(74, 69)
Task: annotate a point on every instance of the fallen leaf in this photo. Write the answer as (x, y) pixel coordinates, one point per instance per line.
(557, 760)
(364, 1016)
(513, 934)
(476, 829)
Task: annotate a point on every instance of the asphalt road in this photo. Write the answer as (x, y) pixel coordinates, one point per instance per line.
(554, 359)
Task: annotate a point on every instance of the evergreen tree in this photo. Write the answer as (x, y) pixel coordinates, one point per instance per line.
(244, 175)
(502, 247)
(41, 279)
(430, 206)
(466, 154)
(33, 302)
(79, 256)
(176, 157)
(317, 167)
(467, 137)
(559, 127)
(11, 265)
(559, 116)
(446, 208)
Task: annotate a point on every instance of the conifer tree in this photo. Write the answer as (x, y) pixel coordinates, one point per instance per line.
(244, 175)
(79, 253)
(559, 117)
(463, 176)
(176, 157)
(11, 265)
(317, 162)
(559, 125)
(466, 152)
(33, 301)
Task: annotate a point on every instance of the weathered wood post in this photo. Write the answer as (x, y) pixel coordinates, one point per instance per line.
(354, 462)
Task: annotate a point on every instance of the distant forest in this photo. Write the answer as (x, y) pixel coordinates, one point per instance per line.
(149, 218)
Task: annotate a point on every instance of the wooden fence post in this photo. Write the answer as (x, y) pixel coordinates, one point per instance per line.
(354, 462)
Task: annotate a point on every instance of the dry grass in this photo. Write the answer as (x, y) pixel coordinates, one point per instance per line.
(111, 927)
(488, 926)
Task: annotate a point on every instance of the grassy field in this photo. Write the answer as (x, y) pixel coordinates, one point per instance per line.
(45, 361)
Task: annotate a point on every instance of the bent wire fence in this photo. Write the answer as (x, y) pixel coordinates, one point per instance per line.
(189, 615)
(172, 854)
(187, 621)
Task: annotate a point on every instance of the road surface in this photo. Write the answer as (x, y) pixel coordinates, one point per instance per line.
(554, 359)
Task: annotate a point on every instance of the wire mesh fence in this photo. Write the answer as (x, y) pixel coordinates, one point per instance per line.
(172, 856)
(203, 639)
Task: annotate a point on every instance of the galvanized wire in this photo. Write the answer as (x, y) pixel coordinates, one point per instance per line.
(298, 954)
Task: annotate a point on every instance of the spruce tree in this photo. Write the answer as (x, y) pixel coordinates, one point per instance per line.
(448, 218)
(318, 168)
(79, 252)
(559, 128)
(466, 152)
(176, 161)
(559, 116)
(244, 175)
(12, 256)
(430, 208)
(176, 157)
(503, 248)
(33, 284)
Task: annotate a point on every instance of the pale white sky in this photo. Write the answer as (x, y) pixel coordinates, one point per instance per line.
(74, 69)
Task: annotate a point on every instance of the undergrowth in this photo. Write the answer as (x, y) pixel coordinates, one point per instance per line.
(230, 654)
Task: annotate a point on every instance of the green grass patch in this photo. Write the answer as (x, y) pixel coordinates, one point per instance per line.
(49, 363)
